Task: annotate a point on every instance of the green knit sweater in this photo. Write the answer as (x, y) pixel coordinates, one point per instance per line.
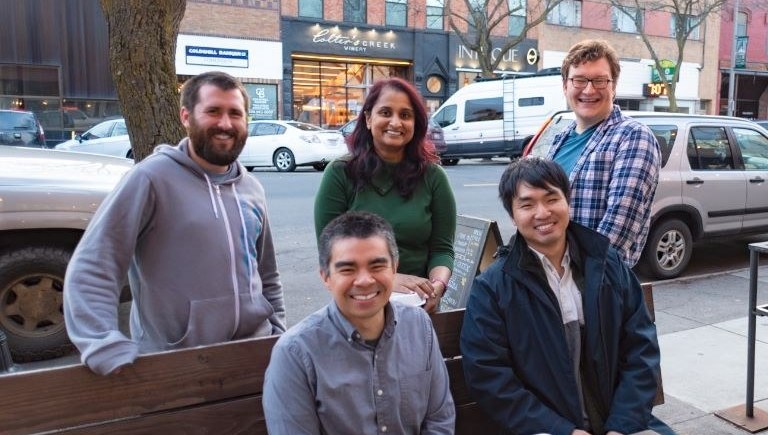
(424, 224)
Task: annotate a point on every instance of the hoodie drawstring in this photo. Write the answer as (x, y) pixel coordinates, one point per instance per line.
(245, 242)
(210, 193)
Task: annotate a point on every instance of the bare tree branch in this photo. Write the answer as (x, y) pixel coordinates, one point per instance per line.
(688, 15)
(483, 17)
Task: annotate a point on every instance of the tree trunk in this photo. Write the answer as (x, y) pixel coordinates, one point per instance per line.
(142, 49)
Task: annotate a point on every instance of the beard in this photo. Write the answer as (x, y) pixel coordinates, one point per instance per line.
(203, 142)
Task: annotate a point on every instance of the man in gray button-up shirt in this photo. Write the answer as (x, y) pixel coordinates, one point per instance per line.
(361, 365)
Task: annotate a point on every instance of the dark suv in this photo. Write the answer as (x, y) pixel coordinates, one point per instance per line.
(20, 128)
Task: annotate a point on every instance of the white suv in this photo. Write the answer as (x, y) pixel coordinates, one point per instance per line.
(713, 182)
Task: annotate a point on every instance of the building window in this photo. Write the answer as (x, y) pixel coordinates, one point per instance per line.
(311, 8)
(625, 19)
(566, 13)
(516, 17)
(741, 24)
(435, 14)
(476, 9)
(684, 22)
(397, 12)
(355, 11)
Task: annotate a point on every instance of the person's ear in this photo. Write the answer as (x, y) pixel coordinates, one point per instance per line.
(367, 119)
(184, 115)
(325, 277)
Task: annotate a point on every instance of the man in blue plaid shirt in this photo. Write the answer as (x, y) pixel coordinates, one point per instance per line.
(612, 161)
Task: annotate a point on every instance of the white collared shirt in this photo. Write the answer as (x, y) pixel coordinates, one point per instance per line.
(565, 289)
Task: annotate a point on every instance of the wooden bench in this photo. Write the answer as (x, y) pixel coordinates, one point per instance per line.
(211, 389)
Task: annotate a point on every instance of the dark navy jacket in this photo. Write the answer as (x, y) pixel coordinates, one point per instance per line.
(516, 360)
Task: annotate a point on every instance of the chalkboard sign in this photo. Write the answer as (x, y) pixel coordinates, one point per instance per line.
(475, 243)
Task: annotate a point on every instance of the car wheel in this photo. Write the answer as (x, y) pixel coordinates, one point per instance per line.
(250, 168)
(320, 166)
(31, 303)
(450, 162)
(284, 161)
(668, 249)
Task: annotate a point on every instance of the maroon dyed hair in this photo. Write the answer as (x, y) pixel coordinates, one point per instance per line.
(419, 152)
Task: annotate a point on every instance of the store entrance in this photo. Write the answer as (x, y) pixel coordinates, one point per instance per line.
(329, 94)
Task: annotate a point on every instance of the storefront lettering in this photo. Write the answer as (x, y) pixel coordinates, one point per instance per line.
(509, 56)
(349, 42)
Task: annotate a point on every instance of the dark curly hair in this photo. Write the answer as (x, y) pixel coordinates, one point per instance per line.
(364, 163)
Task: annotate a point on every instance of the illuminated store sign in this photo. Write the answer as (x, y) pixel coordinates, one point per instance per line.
(354, 40)
(217, 56)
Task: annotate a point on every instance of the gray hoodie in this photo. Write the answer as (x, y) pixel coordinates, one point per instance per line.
(199, 259)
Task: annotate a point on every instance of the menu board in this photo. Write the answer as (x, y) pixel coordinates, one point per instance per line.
(474, 245)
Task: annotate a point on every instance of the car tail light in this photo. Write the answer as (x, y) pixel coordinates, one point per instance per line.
(311, 138)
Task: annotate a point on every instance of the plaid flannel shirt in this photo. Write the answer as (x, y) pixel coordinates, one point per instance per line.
(614, 181)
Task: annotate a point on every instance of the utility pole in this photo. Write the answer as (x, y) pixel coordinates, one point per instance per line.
(732, 76)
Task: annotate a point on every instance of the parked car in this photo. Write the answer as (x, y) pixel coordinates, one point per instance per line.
(434, 133)
(109, 138)
(713, 182)
(288, 144)
(48, 198)
(21, 128)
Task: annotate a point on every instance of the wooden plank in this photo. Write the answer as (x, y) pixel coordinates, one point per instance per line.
(230, 417)
(648, 298)
(458, 385)
(68, 396)
(447, 326)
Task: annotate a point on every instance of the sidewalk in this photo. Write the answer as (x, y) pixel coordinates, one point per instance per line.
(702, 327)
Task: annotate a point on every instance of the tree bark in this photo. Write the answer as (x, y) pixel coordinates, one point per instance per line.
(142, 50)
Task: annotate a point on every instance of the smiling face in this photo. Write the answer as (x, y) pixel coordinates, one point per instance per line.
(541, 217)
(217, 127)
(360, 277)
(590, 105)
(391, 121)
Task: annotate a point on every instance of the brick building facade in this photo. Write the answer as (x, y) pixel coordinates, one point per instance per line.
(751, 72)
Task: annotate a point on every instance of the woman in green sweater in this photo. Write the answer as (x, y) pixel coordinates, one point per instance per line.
(392, 171)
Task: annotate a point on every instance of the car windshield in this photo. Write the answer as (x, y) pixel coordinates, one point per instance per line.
(559, 123)
(303, 126)
(16, 121)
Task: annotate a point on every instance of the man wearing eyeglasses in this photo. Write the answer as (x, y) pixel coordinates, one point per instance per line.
(612, 161)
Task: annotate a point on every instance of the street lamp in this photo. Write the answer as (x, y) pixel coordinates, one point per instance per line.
(732, 75)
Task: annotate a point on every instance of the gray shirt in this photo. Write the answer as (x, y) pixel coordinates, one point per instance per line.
(323, 378)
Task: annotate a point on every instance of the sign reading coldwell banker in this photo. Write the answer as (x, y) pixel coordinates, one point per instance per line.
(216, 56)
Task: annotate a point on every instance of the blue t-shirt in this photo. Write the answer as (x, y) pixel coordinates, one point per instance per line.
(569, 153)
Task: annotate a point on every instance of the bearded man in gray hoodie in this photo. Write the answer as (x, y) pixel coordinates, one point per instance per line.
(189, 227)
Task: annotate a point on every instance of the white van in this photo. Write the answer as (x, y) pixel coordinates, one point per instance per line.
(496, 117)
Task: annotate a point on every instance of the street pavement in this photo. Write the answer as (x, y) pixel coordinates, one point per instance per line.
(702, 328)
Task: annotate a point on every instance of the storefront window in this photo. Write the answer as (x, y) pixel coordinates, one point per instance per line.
(29, 80)
(329, 94)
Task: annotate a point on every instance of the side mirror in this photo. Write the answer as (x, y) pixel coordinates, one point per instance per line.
(79, 138)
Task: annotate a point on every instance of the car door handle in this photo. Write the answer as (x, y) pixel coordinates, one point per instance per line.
(757, 180)
(696, 180)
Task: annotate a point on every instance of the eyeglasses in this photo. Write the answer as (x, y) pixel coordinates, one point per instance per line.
(581, 82)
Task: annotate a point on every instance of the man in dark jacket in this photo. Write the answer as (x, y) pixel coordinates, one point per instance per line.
(556, 336)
